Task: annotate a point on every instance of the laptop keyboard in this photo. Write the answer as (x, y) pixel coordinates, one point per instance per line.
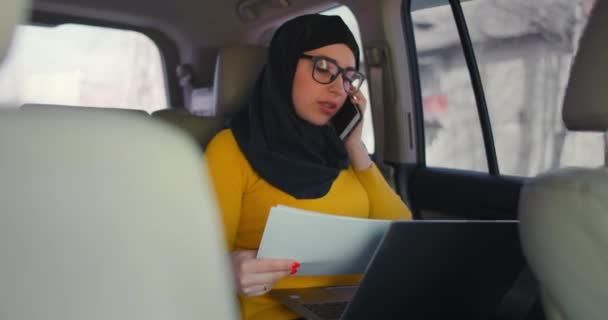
(329, 310)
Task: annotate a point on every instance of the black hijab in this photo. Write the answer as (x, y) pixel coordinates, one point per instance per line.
(288, 152)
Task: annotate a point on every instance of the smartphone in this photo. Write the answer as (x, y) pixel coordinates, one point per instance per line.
(346, 120)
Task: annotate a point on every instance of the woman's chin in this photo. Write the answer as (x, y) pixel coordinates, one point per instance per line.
(320, 120)
(317, 119)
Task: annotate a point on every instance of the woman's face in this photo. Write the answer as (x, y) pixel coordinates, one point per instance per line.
(315, 102)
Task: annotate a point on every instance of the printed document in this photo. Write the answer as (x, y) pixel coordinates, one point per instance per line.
(324, 244)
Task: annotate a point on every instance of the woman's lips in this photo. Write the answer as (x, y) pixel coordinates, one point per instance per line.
(328, 108)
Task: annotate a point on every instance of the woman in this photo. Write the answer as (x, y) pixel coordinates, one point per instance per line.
(282, 149)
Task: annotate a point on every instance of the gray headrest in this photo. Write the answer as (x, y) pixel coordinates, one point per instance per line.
(12, 12)
(91, 225)
(586, 100)
(236, 70)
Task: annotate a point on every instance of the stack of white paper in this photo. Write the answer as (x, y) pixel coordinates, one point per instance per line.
(324, 244)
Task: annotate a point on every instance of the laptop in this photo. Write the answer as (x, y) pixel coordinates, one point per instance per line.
(424, 270)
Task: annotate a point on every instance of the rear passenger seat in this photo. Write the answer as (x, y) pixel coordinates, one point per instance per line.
(236, 70)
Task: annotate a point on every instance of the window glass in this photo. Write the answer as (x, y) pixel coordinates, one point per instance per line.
(85, 66)
(524, 50)
(453, 136)
(350, 20)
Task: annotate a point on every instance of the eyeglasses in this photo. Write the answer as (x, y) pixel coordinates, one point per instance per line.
(326, 70)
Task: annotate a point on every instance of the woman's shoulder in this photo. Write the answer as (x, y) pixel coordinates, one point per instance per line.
(224, 141)
(224, 149)
(223, 154)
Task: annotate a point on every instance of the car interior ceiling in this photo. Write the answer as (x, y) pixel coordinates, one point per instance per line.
(194, 30)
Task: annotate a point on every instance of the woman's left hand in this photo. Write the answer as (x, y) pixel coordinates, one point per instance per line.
(354, 139)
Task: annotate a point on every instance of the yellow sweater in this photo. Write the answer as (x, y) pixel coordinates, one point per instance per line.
(245, 200)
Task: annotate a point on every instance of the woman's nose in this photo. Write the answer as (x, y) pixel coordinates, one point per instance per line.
(337, 86)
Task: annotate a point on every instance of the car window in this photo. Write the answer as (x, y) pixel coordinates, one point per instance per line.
(524, 51)
(349, 18)
(453, 136)
(85, 66)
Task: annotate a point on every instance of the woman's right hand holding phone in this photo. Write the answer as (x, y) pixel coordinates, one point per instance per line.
(254, 277)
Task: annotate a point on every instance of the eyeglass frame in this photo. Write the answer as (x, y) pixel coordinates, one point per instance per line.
(341, 71)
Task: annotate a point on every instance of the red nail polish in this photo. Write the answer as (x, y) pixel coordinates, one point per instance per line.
(295, 265)
(294, 271)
